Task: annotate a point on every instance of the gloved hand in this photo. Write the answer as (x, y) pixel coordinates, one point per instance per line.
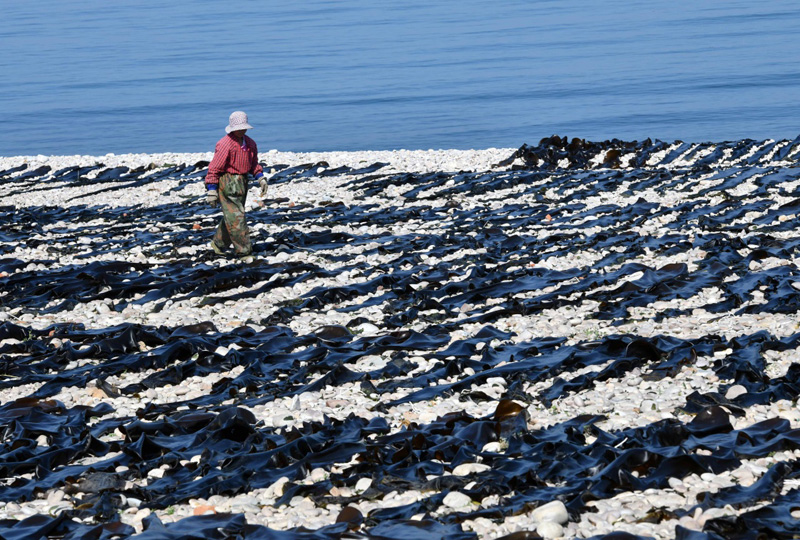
(212, 197)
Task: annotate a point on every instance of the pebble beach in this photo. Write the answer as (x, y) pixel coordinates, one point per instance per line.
(564, 341)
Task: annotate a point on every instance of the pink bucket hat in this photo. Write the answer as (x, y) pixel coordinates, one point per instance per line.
(237, 121)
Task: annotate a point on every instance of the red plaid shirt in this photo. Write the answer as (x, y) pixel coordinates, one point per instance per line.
(231, 156)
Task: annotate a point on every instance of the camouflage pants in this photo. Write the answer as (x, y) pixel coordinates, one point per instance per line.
(232, 229)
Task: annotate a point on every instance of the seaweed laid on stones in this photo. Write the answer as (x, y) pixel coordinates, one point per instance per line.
(419, 314)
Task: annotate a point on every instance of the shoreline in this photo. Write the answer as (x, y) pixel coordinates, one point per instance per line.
(550, 153)
(401, 160)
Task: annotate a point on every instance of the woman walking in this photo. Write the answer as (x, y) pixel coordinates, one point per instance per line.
(235, 157)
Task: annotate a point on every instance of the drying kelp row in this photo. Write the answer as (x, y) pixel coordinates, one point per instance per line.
(235, 453)
(419, 355)
(509, 247)
(561, 153)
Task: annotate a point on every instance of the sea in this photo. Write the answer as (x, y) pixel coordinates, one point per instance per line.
(143, 76)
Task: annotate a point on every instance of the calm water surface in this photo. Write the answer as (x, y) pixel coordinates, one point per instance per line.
(93, 77)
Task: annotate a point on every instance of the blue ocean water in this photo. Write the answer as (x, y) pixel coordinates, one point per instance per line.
(91, 77)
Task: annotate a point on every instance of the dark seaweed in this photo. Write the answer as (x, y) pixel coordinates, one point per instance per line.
(574, 461)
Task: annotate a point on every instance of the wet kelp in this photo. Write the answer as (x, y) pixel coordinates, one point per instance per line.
(476, 256)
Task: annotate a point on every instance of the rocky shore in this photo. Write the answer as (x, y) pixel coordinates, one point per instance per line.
(568, 340)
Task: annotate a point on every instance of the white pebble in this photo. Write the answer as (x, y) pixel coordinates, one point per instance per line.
(456, 499)
(363, 484)
(554, 511)
(735, 391)
(549, 529)
(468, 468)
